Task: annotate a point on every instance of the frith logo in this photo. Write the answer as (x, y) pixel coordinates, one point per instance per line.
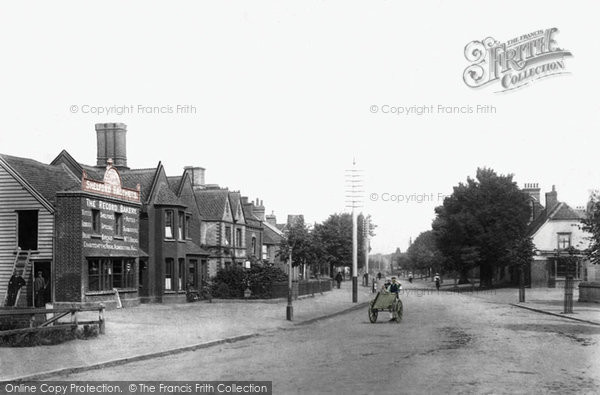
(516, 62)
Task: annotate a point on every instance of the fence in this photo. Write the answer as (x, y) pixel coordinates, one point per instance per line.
(280, 289)
(27, 319)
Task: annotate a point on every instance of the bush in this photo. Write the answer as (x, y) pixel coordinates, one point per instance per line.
(231, 283)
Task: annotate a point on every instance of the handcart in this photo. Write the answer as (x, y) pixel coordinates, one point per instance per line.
(385, 301)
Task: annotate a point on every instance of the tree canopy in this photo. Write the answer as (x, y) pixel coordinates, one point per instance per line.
(481, 223)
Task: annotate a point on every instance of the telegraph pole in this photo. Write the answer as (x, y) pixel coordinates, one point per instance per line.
(353, 200)
(366, 228)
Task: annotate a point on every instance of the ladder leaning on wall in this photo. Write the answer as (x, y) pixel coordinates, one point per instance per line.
(19, 264)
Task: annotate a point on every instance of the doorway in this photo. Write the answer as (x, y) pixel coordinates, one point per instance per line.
(45, 268)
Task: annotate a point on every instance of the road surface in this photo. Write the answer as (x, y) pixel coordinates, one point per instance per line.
(446, 343)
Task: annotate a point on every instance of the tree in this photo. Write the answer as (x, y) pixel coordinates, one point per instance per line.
(480, 224)
(334, 240)
(423, 253)
(591, 224)
(299, 241)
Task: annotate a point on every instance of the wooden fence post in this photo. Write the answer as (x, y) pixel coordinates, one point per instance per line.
(101, 326)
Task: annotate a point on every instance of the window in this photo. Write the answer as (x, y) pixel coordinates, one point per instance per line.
(227, 235)
(180, 226)
(265, 252)
(118, 224)
(169, 274)
(123, 273)
(186, 228)
(238, 237)
(96, 221)
(254, 245)
(564, 241)
(27, 228)
(100, 274)
(181, 274)
(169, 224)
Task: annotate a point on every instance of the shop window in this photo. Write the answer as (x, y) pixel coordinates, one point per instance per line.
(238, 237)
(169, 268)
(564, 241)
(181, 274)
(118, 224)
(27, 229)
(186, 228)
(96, 221)
(180, 226)
(228, 235)
(100, 274)
(169, 224)
(123, 273)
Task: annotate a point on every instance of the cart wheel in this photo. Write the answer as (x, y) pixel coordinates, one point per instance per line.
(372, 313)
(399, 310)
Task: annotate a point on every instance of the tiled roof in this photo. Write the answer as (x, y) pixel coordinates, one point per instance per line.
(144, 177)
(174, 183)
(211, 203)
(192, 248)
(235, 199)
(45, 179)
(565, 212)
(271, 235)
(560, 212)
(165, 196)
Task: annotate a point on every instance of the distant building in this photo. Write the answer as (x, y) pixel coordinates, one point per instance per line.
(554, 228)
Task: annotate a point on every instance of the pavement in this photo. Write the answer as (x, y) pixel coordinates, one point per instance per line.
(152, 330)
(541, 300)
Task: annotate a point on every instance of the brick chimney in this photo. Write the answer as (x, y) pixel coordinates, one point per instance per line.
(533, 190)
(272, 219)
(551, 199)
(111, 143)
(259, 210)
(196, 175)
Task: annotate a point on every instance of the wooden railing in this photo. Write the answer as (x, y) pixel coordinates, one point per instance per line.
(52, 323)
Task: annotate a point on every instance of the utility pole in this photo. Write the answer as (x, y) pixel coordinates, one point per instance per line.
(353, 200)
(366, 228)
(289, 311)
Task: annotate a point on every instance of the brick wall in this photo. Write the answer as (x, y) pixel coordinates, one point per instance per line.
(69, 258)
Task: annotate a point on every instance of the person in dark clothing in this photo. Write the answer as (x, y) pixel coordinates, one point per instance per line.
(379, 276)
(39, 287)
(14, 284)
(338, 279)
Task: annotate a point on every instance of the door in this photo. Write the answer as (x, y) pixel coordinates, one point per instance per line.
(44, 269)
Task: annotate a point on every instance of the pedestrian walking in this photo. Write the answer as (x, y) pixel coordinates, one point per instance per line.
(14, 284)
(437, 280)
(338, 279)
(39, 287)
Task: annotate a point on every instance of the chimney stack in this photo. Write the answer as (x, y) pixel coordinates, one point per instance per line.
(259, 210)
(272, 219)
(533, 190)
(196, 175)
(111, 141)
(551, 199)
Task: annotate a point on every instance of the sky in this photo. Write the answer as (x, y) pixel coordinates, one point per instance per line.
(283, 96)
